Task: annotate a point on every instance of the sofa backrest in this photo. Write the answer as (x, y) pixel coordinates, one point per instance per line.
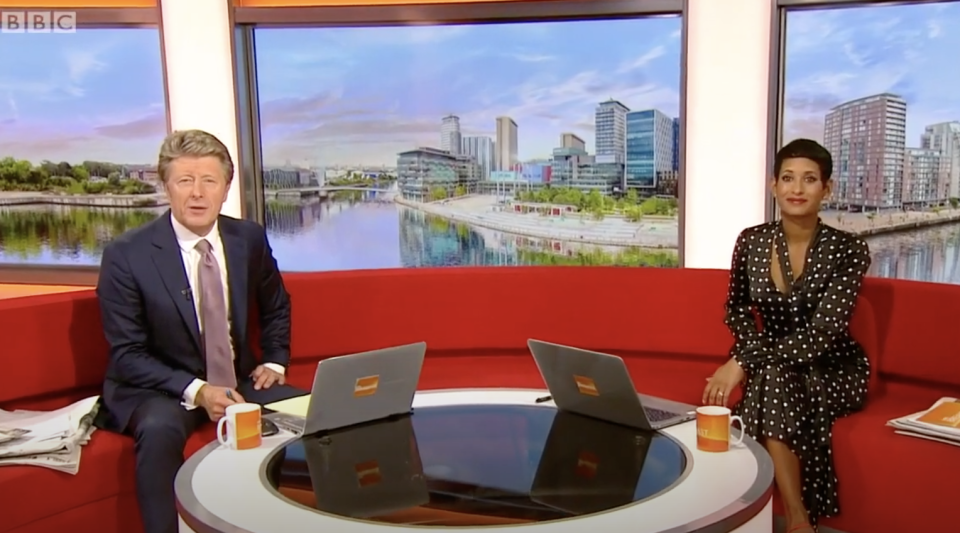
(55, 342)
(656, 310)
(52, 346)
(917, 325)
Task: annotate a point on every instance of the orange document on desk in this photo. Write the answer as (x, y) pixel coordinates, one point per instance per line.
(946, 414)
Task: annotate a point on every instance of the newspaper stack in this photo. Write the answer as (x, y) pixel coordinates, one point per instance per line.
(50, 439)
(940, 423)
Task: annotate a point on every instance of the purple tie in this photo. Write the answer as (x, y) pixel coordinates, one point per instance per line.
(213, 319)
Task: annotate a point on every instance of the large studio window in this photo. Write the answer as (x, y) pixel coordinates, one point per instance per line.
(877, 85)
(536, 143)
(82, 116)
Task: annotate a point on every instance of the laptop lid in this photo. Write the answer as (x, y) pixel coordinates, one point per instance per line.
(589, 383)
(367, 471)
(589, 465)
(357, 388)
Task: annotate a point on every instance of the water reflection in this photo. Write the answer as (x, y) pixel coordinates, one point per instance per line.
(356, 234)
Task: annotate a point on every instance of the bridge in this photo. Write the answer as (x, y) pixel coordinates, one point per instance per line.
(326, 188)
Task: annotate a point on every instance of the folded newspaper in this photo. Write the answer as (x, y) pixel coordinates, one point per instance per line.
(940, 423)
(50, 439)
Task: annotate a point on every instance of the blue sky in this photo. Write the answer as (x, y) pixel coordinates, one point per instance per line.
(333, 96)
(842, 54)
(90, 95)
(361, 95)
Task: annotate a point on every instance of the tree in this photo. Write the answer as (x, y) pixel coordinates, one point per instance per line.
(438, 193)
(632, 198)
(460, 191)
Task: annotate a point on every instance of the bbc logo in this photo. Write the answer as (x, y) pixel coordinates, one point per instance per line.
(38, 21)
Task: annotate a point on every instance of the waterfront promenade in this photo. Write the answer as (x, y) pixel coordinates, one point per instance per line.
(118, 201)
(482, 211)
(650, 232)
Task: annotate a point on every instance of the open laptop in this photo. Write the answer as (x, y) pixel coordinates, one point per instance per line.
(589, 465)
(367, 471)
(598, 385)
(357, 388)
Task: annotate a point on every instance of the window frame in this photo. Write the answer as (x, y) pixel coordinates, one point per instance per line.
(88, 18)
(248, 19)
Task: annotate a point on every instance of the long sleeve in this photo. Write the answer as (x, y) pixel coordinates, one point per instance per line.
(739, 307)
(832, 317)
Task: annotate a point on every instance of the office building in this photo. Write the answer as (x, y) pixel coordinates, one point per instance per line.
(481, 149)
(923, 184)
(506, 148)
(422, 171)
(650, 148)
(450, 134)
(945, 139)
(571, 140)
(867, 138)
(611, 131)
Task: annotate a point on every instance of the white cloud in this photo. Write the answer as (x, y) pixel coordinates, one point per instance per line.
(933, 29)
(642, 61)
(532, 58)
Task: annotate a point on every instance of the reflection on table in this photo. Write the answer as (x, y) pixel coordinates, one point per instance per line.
(476, 465)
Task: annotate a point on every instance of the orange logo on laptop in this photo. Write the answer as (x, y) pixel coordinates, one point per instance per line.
(368, 473)
(586, 385)
(587, 464)
(366, 386)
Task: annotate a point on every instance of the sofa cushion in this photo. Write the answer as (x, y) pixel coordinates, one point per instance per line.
(891, 482)
(32, 493)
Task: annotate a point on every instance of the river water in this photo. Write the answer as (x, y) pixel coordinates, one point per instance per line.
(356, 234)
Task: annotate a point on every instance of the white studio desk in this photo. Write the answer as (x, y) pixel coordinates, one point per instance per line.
(224, 491)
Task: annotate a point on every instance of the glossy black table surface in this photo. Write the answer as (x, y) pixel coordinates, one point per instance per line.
(476, 465)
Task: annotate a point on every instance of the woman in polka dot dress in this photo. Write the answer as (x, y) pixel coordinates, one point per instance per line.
(801, 370)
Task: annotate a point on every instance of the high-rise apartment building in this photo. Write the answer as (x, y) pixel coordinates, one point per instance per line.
(867, 138)
(945, 139)
(923, 185)
(650, 148)
(450, 134)
(571, 140)
(506, 149)
(611, 132)
(481, 150)
(676, 144)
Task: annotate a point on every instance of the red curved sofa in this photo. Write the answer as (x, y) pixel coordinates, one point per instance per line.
(666, 323)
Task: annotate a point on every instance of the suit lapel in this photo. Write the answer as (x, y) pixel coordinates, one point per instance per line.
(169, 262)
(235, 250)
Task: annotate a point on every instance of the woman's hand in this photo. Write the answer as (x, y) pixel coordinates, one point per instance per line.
(722, 383)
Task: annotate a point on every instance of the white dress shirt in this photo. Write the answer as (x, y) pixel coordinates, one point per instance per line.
(191, 263)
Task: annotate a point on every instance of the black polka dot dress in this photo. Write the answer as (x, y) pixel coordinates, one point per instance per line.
(803, 370)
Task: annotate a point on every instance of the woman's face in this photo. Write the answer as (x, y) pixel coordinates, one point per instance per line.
(799, 188)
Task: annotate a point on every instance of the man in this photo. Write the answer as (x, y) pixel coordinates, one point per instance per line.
(175, 296)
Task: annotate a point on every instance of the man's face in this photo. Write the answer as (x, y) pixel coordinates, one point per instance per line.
(197, 189)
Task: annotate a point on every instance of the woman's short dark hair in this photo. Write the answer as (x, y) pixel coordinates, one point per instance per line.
(806, 149)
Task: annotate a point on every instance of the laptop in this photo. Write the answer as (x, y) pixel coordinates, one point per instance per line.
(367, 471)
(598, 385)
(357, 388)
(589, 465)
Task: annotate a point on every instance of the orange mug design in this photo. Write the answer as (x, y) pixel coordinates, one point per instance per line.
(713, 428)
(239, 429)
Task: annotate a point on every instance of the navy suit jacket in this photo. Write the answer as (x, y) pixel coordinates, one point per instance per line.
(151, 324)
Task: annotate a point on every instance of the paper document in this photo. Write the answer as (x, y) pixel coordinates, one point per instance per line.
(938, 423)
(293, 406)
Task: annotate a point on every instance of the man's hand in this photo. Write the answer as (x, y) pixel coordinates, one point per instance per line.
(719, 387)
(216, 399)
(264, 378)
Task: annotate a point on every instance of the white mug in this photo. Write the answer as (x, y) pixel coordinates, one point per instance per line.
(239, 429)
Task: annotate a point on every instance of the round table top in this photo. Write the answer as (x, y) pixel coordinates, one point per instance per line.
(477, 458)
(476, 465)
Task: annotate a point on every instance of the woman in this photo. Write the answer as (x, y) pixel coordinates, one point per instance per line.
(802, 370)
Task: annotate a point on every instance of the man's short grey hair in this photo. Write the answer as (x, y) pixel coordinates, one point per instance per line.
(193, 143)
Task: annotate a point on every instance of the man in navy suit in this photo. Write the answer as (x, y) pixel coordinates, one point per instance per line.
(175, 296)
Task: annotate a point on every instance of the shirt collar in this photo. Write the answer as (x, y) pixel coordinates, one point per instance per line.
(188, 240)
